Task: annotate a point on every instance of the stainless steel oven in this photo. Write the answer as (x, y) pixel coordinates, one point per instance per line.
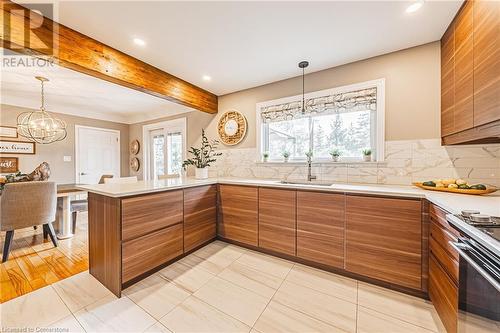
(479, 287)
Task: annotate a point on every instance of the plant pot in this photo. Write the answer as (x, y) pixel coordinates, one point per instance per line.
(201, 173)
(264, 159)
(335, 158)
(367, 158)
(286, 159)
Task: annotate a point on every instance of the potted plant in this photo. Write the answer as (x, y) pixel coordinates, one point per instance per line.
(286, 155)
(335, 154)
(367, 155)
(265, 156)
(202, 157)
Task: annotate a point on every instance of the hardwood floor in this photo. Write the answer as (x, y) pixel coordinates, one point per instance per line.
(34, 263)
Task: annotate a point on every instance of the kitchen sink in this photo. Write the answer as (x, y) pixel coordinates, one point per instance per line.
(291, 182)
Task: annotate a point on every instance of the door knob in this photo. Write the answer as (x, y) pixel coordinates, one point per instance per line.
(83, 174)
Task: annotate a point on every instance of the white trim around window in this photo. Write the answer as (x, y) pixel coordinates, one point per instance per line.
(174, 125)
(380, 114)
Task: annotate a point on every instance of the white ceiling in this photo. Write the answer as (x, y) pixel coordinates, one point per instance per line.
(78, 94)
(246, 44)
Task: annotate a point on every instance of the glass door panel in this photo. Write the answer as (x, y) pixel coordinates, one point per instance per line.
(174, 153)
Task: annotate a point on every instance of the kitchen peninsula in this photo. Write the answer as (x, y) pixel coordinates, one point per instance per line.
(375, 233)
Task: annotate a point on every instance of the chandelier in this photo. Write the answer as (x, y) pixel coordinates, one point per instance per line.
(40, 126)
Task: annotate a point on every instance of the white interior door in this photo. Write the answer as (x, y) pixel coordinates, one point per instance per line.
(97, 154)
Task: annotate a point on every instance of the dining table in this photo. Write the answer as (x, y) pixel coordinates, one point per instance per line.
(64, 223)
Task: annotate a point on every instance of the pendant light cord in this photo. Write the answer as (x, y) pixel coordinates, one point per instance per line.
(43, 98)
(303, 100)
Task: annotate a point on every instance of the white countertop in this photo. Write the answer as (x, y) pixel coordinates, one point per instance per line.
(453, 203)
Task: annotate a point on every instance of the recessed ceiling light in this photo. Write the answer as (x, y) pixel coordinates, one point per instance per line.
(415, 6)
(138, 41)
(206, 78)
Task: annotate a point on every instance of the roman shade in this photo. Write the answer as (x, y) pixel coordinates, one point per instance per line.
(359, 100)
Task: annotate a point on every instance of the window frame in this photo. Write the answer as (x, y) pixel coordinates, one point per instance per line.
(262, 130)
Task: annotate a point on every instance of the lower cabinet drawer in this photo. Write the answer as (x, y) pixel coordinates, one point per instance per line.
(440, 247)
(444, 295)
(149, 251)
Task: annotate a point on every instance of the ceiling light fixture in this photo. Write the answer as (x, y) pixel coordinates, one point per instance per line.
(415, 6)
(139, 42)
(303, 65)
(39, 126)
(206, 78)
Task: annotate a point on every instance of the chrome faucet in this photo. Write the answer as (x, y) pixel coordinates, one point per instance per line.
(310, 177)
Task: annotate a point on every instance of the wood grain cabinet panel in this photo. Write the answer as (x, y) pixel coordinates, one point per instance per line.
(144, 214)
(320, 227)
(200, 215)
(384, 239)
(277, 230)
(145, 253)
(486, 61)
(464, 65)
(444, 295)
(238, 209)
(448, 81)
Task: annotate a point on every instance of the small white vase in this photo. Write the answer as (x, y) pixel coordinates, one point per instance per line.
(201, 173)
(335, 158)
(264, 159)
(367, 158)
(286, 159)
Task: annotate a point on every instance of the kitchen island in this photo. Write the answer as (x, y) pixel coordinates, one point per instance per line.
(376, 233)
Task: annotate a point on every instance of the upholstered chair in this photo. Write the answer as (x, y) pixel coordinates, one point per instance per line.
(25, 205)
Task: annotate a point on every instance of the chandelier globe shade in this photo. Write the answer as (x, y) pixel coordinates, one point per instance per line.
(40, 126)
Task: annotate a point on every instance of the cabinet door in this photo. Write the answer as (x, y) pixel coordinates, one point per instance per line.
(200, 215)
(486, 61)
(145, 253)
(238, 213)
(444, 295)
(147, 213)
(384, 239)
(320, 227)
(464, 88)
(277, 231)
(448, 80)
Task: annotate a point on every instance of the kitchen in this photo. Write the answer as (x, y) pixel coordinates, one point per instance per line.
(279, 221)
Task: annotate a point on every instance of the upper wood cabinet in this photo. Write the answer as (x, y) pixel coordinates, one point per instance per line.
(200, 215)
(238, 213)
(277, 230)
(320, 227)
(384, 239)
(470, 75)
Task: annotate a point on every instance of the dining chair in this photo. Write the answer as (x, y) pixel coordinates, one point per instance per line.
(121, 180)
(25, 205)
(82, 205)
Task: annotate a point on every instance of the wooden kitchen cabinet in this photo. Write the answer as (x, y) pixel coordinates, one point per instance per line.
(147, 213)
(444, 295)
(486, 61)
(238, 214)
(200, 215)
(384, 239)
(277, 230)
(320, 227)
(145, 253)
(470, 75)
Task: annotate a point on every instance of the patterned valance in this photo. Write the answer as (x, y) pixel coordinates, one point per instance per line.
(359, 100)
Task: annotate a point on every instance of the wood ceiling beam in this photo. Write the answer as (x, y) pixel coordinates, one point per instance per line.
(27, 32)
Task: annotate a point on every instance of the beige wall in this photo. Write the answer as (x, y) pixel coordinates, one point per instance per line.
(412, 95)
(63, 172)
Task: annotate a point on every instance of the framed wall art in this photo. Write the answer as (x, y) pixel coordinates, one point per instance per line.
(17, 147)
(9, 164)
(8, 132)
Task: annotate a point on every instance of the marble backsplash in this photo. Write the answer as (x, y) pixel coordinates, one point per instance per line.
(405, 162)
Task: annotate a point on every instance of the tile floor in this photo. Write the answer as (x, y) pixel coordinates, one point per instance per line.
(223, 288)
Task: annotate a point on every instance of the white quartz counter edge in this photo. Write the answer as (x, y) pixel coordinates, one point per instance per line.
(453, 203)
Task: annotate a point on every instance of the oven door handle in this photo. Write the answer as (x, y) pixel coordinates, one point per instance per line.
(460, 247)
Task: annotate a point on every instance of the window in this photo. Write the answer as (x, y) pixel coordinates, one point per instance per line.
(347, 118)
(164, 148)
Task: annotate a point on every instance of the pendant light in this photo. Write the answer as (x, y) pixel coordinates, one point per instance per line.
(39, 126)
(303, 65)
